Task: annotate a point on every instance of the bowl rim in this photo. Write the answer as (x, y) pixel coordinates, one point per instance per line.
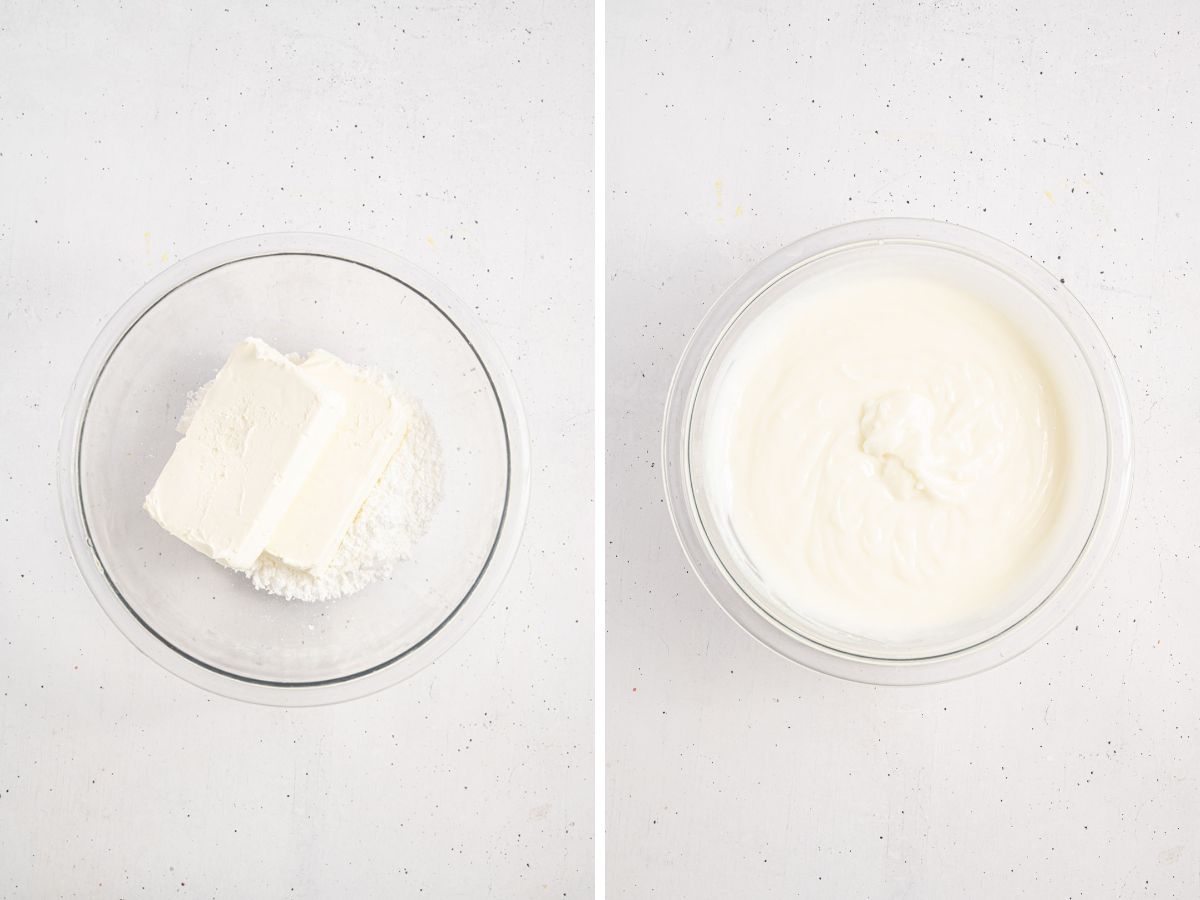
(380, 675)
(807, 650)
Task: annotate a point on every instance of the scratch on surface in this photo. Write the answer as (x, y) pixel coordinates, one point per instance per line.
(1170, 855)
(878, 192)
(1133, 641)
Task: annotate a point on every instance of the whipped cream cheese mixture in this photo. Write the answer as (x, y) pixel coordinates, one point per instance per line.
(890, 454)
(309, 475)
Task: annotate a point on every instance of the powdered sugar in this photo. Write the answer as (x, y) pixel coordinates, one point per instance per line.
(393, 518)
(194, 399)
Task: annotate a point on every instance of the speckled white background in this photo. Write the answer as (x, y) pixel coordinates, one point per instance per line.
(458, 134)
(1068, 129)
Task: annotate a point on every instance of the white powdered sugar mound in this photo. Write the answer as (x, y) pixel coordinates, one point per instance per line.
(393, 518)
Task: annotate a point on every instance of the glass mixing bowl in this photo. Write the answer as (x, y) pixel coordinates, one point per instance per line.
(298, 292)
(1074, 352)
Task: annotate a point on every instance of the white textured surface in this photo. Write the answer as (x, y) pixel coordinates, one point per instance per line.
(1067, 129)
(458, 135)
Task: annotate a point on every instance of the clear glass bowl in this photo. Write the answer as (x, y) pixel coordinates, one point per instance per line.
(1096, 403)
(298, 292)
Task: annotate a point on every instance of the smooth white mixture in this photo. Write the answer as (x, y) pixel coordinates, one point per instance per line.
(889, 452)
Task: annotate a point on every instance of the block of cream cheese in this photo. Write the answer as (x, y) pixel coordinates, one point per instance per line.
(367, 438)
(248, 450)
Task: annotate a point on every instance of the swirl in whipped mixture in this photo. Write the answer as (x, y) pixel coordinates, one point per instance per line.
(891, 454)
